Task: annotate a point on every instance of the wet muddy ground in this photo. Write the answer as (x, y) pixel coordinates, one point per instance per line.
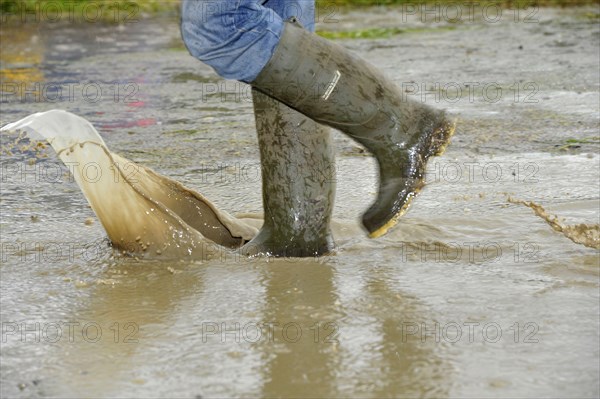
(473, 295)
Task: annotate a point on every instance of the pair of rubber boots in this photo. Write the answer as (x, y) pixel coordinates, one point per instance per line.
(310, 81)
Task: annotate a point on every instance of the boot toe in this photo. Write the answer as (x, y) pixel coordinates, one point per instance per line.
(392, 203)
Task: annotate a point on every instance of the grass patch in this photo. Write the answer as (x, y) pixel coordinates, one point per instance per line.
(117, 11)
(185, 77)
(592, 16)
(376, 33)
(502, 3)
(571, 144)
(83, 8)
(126, 11)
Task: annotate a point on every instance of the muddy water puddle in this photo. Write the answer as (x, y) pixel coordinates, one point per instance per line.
(472, 295)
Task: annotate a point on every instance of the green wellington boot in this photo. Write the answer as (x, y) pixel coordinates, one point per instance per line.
(332, 86)
(298, 174)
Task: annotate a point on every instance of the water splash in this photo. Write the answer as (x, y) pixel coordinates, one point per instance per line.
(584, 234)
(142, 212)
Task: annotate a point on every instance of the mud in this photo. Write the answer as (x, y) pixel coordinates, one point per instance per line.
(470, 296)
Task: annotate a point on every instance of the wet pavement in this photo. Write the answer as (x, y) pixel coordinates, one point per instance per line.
(473, 295)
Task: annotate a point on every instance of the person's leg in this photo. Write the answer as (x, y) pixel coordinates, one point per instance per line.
(332, 86)
(298, 182)
(298, 169)
(325, 82)
(297, 160)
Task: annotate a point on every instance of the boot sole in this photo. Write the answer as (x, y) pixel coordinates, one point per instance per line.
(438, 143)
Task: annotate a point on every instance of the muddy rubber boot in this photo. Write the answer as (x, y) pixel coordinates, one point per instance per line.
(298, 174)
(332, 86)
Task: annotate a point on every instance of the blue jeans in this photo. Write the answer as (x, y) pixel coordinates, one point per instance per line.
(238, 37)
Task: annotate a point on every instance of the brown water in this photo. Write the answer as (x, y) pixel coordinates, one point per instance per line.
(471, 296)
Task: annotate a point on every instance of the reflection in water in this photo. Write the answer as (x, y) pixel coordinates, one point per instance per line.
(133, 305)
(352, 340)
(303, 360)
(398, 363)
(327, 334)
(410, 367)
